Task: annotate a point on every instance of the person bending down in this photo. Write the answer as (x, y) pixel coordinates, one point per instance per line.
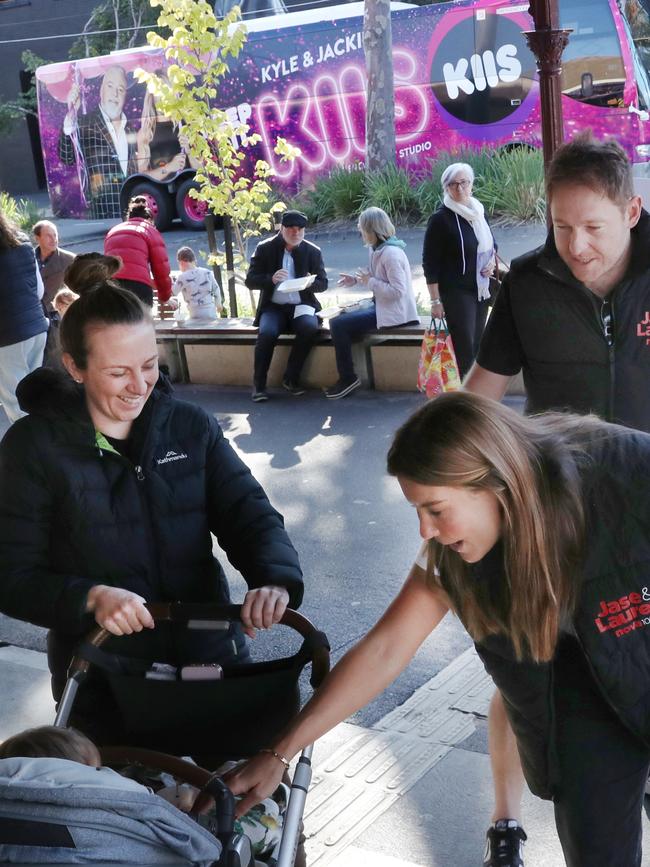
(523, 519)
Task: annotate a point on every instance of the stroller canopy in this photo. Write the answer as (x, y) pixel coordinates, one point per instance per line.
(54, 811)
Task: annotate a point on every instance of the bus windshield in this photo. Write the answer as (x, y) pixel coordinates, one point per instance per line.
(637, 15)
(593, 71)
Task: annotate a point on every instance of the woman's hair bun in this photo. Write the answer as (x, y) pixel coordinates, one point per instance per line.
(90, 270)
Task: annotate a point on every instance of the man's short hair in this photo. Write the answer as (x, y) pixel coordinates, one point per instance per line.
(585, 161)
(36, 229)
(185, 254)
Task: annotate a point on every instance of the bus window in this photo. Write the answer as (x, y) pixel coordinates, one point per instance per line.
(592, 66)
(637, 15)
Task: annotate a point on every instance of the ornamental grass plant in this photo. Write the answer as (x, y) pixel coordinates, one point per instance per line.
(509, 183)
(22, 212)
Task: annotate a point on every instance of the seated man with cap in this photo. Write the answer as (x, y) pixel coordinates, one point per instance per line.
(286, 256)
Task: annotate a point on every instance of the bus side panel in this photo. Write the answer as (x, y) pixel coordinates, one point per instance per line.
(464, 78)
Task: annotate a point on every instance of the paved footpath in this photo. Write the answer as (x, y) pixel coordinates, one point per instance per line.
(405, 783)
(400, 793)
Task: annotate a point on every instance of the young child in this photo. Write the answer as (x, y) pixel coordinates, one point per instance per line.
(50, 742)
(63, 299)
(262, 825)
(198, 285)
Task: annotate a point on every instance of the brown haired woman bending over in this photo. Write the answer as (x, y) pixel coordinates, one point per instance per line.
(537, 535)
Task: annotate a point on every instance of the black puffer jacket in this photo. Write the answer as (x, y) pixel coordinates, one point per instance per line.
(612, 620)
(74, 513)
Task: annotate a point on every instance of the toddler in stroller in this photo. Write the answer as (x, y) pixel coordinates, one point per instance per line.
(48, 758)
(205, 717)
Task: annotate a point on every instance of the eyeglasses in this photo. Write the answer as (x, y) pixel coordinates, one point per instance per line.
(460, 185)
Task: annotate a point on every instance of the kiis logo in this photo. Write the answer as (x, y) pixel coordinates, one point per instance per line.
(482, 70)
(487, 71)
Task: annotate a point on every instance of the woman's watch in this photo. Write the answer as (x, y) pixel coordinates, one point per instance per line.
(435, 301)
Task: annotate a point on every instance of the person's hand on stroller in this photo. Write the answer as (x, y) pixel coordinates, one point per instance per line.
(254, 780)
(119, 611)
(263, 607)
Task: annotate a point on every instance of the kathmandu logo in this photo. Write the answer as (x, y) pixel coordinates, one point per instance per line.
(170, 457)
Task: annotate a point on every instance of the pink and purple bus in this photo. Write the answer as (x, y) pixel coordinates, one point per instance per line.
(464, 77)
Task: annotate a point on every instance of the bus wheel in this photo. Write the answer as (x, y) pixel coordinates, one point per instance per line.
(191, 212)
(158, 202)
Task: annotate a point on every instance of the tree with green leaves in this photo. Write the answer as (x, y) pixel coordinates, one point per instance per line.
(114, 24)
(23, 104)
(197, 54)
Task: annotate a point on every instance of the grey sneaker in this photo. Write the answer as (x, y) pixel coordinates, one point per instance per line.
(504, 846)
(341, 389)
(293, 388)
(259, 394)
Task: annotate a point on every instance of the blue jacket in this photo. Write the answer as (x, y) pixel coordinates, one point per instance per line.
(21, 312)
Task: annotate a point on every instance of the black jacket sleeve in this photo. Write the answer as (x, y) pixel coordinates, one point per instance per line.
(246, 525)
(30, 588)
(500, 349)
(262, 267)
(315, 265)
(433, 246)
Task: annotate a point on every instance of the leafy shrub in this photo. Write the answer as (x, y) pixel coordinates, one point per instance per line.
(391, 190)
(512, 185)
(509, 183)
(22, 212)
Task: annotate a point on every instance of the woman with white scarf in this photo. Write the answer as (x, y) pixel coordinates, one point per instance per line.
(458, 258)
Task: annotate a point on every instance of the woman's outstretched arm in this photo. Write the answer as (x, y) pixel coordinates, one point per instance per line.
(368, 668)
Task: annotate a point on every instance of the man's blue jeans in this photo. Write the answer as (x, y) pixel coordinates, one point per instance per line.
(344, 329)
(278, 319)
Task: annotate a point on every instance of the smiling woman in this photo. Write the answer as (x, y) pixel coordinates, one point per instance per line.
(522, 519)
(95, 522)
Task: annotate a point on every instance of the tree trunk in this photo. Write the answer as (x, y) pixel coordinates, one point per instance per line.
(380, 112)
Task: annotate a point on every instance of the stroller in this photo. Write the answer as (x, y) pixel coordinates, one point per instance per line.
(167, 718)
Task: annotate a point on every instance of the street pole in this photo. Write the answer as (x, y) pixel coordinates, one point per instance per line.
(547, 42)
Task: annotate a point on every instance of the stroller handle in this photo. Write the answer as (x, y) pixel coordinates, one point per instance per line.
(184, 612)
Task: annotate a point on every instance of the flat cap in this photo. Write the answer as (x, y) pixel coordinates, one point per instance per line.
(294, 218)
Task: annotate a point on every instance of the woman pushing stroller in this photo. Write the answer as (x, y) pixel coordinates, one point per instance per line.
(537, 535)
(111, 489)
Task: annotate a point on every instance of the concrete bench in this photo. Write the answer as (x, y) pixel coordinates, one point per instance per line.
(220, 352)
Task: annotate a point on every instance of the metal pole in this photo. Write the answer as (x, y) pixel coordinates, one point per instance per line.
(547, 42)
(293, 815)
(230, 264)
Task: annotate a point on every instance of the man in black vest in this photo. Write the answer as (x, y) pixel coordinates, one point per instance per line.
(285, 257)
(574, 316)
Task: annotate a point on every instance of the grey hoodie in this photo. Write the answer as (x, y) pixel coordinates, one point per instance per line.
(108, 817)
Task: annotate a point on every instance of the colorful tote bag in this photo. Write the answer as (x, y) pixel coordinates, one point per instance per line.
(437, 369)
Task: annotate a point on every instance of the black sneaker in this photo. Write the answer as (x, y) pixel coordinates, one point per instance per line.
(504, 846)
(341, 389)
(259, 394)
(292, 388)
